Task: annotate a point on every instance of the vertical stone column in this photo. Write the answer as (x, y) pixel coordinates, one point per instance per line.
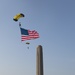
(39, 60)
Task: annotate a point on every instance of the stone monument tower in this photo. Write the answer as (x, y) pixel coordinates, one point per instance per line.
(39, 60)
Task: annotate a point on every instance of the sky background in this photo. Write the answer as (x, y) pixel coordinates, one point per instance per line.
(54, 20)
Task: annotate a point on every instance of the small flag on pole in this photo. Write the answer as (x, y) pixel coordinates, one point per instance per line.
(28, 34)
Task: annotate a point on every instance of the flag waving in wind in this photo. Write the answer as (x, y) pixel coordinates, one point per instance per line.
(28, 34)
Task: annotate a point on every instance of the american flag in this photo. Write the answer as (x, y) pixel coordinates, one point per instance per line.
(28, 34)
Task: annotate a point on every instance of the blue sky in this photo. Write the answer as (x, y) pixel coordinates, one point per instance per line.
(55, 22)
